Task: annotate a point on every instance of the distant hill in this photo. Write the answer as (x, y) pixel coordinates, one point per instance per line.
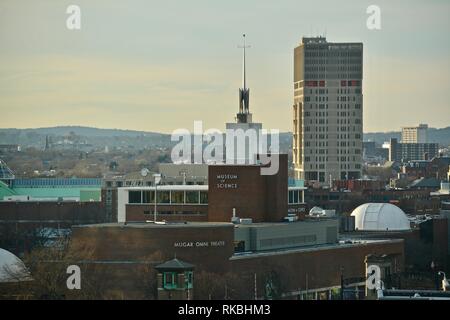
(82, 131)
(92, 138)
(142, 139)
(441, 136)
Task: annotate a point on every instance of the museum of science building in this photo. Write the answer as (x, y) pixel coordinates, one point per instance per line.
(242, 223)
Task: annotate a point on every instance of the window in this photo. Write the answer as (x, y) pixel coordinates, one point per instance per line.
(170, 280)
(177, 197)
(203, 197)
(192, 197)
(189, 279)
(163, 196)
(148, 196)
(134, 197)
(296, 196)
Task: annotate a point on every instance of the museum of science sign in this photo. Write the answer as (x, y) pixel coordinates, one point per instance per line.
(227, 181)
(199, 244)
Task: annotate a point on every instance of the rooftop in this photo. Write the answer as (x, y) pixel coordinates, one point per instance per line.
(340, 245)
(164, 187)
(271, 224)
(174, 264)
(5, 172)
(426, 183)
(150, 225)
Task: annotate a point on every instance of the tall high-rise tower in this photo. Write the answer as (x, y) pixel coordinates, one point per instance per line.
(415, 134)
(327, 126)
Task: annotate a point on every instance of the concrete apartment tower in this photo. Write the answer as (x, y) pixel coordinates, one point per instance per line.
(328, 110)
(415, 134)
(244, 122)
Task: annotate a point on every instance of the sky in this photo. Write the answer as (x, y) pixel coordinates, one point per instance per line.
(160, 65)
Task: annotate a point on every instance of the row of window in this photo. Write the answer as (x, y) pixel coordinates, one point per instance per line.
(174, 212)
(334, 68)
(317, 143)
(319, 166)
(325, 159)
(295, 197)
(322, 121)
(172, 281)
(339, 136)
(288, 241)
(333, 76)
(168, 197)
(325, 99)
(338, 151)
(339, 106)
(331, 54)
(330, 63)
(321, 126)
(49, 182)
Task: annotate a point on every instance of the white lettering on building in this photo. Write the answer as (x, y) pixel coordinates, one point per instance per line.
(199, 244)
(224, 183)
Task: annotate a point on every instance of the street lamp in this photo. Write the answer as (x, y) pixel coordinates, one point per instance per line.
(342, 283)
(157, 179)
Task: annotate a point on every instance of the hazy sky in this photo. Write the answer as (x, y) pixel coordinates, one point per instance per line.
(160, 65)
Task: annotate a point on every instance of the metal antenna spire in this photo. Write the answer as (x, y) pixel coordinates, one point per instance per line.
(244, 78)
(244, 92)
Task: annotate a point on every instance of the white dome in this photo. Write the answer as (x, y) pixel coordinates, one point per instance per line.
(315, 211)
(12, 269)
(380, 217)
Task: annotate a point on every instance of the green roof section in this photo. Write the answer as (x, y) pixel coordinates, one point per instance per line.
(90, 195)
(74, 193)
(84, 194)
(5, 191)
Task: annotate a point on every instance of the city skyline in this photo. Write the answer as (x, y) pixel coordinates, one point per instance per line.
(174, 71)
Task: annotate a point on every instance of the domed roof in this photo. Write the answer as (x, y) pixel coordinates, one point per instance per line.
(380, 217)
(315, 210)
(12, 269)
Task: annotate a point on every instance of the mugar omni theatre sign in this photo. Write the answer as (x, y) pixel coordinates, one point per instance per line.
(227, 181)
(197, 244)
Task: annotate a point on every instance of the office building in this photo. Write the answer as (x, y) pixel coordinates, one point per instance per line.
(327, 133)
(404, 152)
(415, 134)
(238, 190)
(305, 258)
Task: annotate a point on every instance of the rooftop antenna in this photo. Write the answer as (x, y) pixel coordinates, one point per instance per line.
(244, 79)
(244, 92)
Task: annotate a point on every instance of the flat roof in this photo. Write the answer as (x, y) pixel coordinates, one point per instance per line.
(271, 224)
(168, 187)
(187, 187)
(143, 225)
(312, 248)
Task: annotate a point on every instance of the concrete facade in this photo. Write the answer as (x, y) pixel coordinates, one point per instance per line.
(267, 236)
(210, 247)
(327, 110)
(415, 134)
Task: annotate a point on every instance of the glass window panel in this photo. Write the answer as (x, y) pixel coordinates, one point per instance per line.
(148, 196)
(134, 197)
(177, 197)
(296, 196)
(203, 197)
(163, 196)
(192, 197)
(291, 196)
